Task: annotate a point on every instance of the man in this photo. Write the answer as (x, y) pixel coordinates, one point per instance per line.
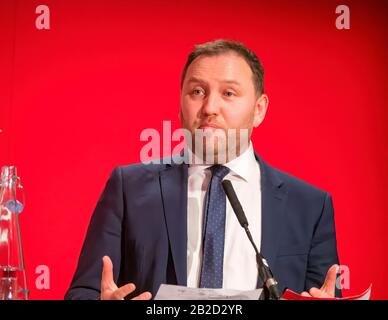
(171, 223)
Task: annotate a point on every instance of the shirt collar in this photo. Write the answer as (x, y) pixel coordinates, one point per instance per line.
(240, 166)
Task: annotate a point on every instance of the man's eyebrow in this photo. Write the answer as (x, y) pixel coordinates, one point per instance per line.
(232, 82)
(197, 80)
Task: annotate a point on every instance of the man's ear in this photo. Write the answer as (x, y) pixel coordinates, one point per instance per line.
(260, 109)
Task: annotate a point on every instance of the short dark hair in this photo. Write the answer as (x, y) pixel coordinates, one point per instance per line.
(221, 46)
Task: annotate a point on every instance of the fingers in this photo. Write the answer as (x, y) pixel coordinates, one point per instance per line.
(109, 289)
(144, 296)
(318, 293)
(305, 294)
(123, 291)
(330, 281)
(328, 288)
(107, 281)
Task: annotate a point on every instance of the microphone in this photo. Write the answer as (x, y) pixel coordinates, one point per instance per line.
(265, 273)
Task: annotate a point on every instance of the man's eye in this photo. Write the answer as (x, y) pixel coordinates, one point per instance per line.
(229, 93)
(197, 92)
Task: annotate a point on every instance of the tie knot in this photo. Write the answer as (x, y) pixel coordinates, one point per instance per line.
(219, 171)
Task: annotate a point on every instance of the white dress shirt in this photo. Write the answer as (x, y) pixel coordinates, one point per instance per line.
(240, 270)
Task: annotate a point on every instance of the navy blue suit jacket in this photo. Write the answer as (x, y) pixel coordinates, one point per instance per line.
(140, 222)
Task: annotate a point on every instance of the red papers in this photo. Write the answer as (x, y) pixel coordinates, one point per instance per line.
(291, 295)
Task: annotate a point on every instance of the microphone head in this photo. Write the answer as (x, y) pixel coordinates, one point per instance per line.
(235, 203)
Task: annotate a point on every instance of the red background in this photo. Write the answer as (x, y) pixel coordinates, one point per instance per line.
(74, 99)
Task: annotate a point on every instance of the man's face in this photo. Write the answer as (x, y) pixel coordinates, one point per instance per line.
(218, 94)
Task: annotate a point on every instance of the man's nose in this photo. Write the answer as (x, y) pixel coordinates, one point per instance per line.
(211, 105)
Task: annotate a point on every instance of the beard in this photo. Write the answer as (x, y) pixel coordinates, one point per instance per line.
(216, 145)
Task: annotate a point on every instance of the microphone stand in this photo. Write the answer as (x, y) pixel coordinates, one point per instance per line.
(271, 290)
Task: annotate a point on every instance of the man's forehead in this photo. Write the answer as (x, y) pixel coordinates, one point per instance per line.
(228, 68)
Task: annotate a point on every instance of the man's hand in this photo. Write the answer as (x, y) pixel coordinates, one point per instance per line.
(110, 291)
(328, 288)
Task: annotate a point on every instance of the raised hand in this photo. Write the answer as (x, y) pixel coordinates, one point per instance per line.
(109, 289)
(328, 288)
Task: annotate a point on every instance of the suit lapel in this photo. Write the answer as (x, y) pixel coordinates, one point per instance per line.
(173, 184)
(273, 195)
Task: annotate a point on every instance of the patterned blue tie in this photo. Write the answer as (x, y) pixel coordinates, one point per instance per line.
(214, 230)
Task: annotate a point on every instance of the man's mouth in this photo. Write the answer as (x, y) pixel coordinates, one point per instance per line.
(208, 125)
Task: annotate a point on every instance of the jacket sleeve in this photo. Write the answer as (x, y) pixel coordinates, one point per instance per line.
(103, 238)
(323, 252)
